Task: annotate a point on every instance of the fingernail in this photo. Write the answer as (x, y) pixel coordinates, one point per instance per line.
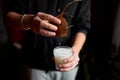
(56, 28)
(59, 21)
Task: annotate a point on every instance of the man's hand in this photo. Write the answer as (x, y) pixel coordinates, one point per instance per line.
(43, 24)
(69, 63)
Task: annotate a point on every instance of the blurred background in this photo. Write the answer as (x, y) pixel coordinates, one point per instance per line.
(100, 57)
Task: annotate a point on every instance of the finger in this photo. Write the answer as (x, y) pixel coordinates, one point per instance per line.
(68, 65)
(74, 62)
(46, 25)
(36, 20)
(67, 69)
(70, 59)
(49, 17)
(46, 33)
(41, 25)
(35, 25)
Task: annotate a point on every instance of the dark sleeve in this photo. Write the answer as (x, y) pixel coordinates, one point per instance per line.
(19, 6)
(82, 18)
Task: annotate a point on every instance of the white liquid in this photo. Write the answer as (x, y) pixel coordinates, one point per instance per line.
(60, 53)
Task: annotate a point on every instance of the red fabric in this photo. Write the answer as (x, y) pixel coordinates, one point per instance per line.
(16, 35)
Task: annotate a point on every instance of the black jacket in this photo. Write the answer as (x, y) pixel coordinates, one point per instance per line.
(38, 50)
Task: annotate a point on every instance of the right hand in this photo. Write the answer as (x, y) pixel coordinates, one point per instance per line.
(43, 24)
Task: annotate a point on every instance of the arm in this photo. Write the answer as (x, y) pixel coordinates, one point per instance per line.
(39, 23)
(72, 61)
(13, 20)
(82, 26)
(78, 42)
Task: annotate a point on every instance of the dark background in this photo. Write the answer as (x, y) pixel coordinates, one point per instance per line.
(96, 56)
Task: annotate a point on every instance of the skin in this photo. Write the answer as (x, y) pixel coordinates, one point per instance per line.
(44, 24)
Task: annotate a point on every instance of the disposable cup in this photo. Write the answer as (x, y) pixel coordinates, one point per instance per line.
(61, 53)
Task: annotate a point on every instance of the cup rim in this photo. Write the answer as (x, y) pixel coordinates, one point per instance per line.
(68, 47)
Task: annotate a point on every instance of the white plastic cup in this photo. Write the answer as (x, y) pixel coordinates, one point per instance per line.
(61, 53)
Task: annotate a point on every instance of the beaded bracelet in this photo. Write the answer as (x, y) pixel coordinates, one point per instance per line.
(22, 23)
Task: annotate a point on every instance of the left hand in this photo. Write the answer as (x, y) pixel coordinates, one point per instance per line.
(69, 63)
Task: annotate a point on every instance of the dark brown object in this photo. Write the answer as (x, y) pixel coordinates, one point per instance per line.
(63, 27)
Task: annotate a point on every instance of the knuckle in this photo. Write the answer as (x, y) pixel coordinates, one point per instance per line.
(48, 27)
(41, 31)
(39, 13)
(71, 64)
(47, 33)
(42, 23)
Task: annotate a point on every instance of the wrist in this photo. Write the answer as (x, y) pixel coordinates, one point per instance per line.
(76, 50)
(26, 21)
